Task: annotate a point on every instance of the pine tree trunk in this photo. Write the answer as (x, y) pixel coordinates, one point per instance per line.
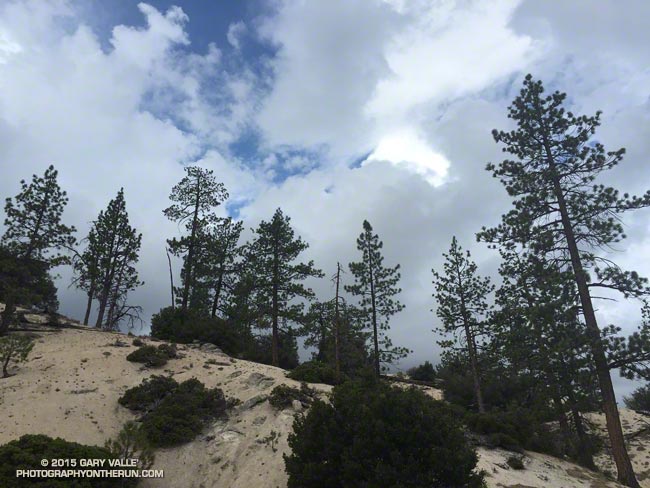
(189, 263)
(109, 273)
(89, 303)
(5, 365)
(337, 352)
(471, 346)
(585, 457)
(374, 312)
(274, 340)
(217, 291)
(103, 300)
(171, 277)
(563, 420)
(624, 467)
(114, 296)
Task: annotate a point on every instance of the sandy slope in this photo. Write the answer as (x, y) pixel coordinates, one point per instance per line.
(70, 388)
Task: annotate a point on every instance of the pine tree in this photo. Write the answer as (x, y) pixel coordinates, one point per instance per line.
(196, 197)
(105, 269)
(33, 220)
(86, 269)
(217, 265)
(534, 328)
(462, 306)
(561, 211)
(339, 342)
(376, 286)
(34, 237)
(277, 277)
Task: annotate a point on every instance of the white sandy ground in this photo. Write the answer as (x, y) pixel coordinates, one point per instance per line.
(70, 386)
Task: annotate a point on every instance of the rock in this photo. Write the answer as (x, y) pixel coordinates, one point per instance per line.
(251, 402)
(32, 318)
(260, 381)
(259, 420)
(234, 374)
(297, 405)
(207, 347)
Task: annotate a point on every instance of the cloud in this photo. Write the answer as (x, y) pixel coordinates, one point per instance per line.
(409, 151)
(448, 50)
(235, 33)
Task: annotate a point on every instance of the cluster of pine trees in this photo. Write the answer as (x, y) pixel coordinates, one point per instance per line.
(36, 241)
(256, 289)
(539, 342)
(536, 333)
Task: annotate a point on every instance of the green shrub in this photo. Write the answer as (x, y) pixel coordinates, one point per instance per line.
(181, 415)
(639, 399)
(259, 350)
(504, 441)
(172, 324)
(282, 396)
(148, 394)
(138, 342)
(152, 356)
(25, 282)
(131, 443)
(515, 462)
(14, 348)
(169, 350)
(423, 372)
(314, 372)
(28, 451)
(374, 435)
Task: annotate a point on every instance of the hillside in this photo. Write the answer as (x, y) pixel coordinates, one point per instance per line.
(70, 386)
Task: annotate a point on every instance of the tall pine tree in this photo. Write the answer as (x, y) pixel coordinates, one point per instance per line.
(376, 286)
(561, 210)
(32, 243)
(195, 199)
(33, 220)
(271, 261)
(462, 306)
(217, 266)
(105, 269)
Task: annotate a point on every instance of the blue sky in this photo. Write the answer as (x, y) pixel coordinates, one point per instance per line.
(337, 111)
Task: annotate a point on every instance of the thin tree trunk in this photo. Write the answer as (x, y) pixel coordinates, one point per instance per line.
(337, 351)
(374, 312)
(217, 291)
(563, 420)
(171, 276)
(471, 348)
(471, 345)
(189, 263)
(103, 300)
(114, 296)
(5, 364)
(89, 303)
(109, 273)
(624, 467)
(275, 339)
(585, 457)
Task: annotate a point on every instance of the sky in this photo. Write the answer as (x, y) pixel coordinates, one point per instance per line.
(336, 111)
